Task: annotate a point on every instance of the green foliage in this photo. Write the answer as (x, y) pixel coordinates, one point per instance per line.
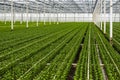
(47, 52)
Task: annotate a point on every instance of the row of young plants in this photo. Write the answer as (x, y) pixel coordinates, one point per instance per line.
(28, 55)
(116, 36)
(116, 39)
(8, 35)
(27, 76)
(17, 56)
(60, 66)
(18, 26)
(25, 36)
(22, 49)
(27, 43)
(22, 67)
(88, 66)
(51, 57)
(35, 69)
(97, 47)
(81, 69)
(109, 56)
(95, 65)
(63, 70)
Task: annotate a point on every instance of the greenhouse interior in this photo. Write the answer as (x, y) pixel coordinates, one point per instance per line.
(59, 39)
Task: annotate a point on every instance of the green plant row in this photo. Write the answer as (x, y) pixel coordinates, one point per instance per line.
(116, 36)
(15, 38)
(109, 57)
(22, 67)
(22, 54)
(8, 53)
(88, 66)
(60, 66)
(31, 72)
(17, 66)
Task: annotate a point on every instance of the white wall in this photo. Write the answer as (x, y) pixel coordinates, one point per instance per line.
(61, 17)
(116, 17)
(52, 17)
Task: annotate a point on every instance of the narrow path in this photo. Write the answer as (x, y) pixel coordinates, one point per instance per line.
(109, 55)
(88, 72)
(101, 64)
(74, 64)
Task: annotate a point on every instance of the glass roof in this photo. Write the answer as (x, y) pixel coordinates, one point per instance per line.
(53, 6)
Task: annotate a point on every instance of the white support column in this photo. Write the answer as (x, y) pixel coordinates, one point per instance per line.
(50, 17)
(60, 17)
(104, 16)
(101, 14)
(83, 18)
(64, 14)
(65, 17)
(21, 16)
(44, 13)
(54, 15)
(111, 20)
(30, 19)
(50, 13)
(57, 15)
(14, 15)
(74, 16)
(27, 14)
(4, 12)
(37, 15)
(12, 27)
